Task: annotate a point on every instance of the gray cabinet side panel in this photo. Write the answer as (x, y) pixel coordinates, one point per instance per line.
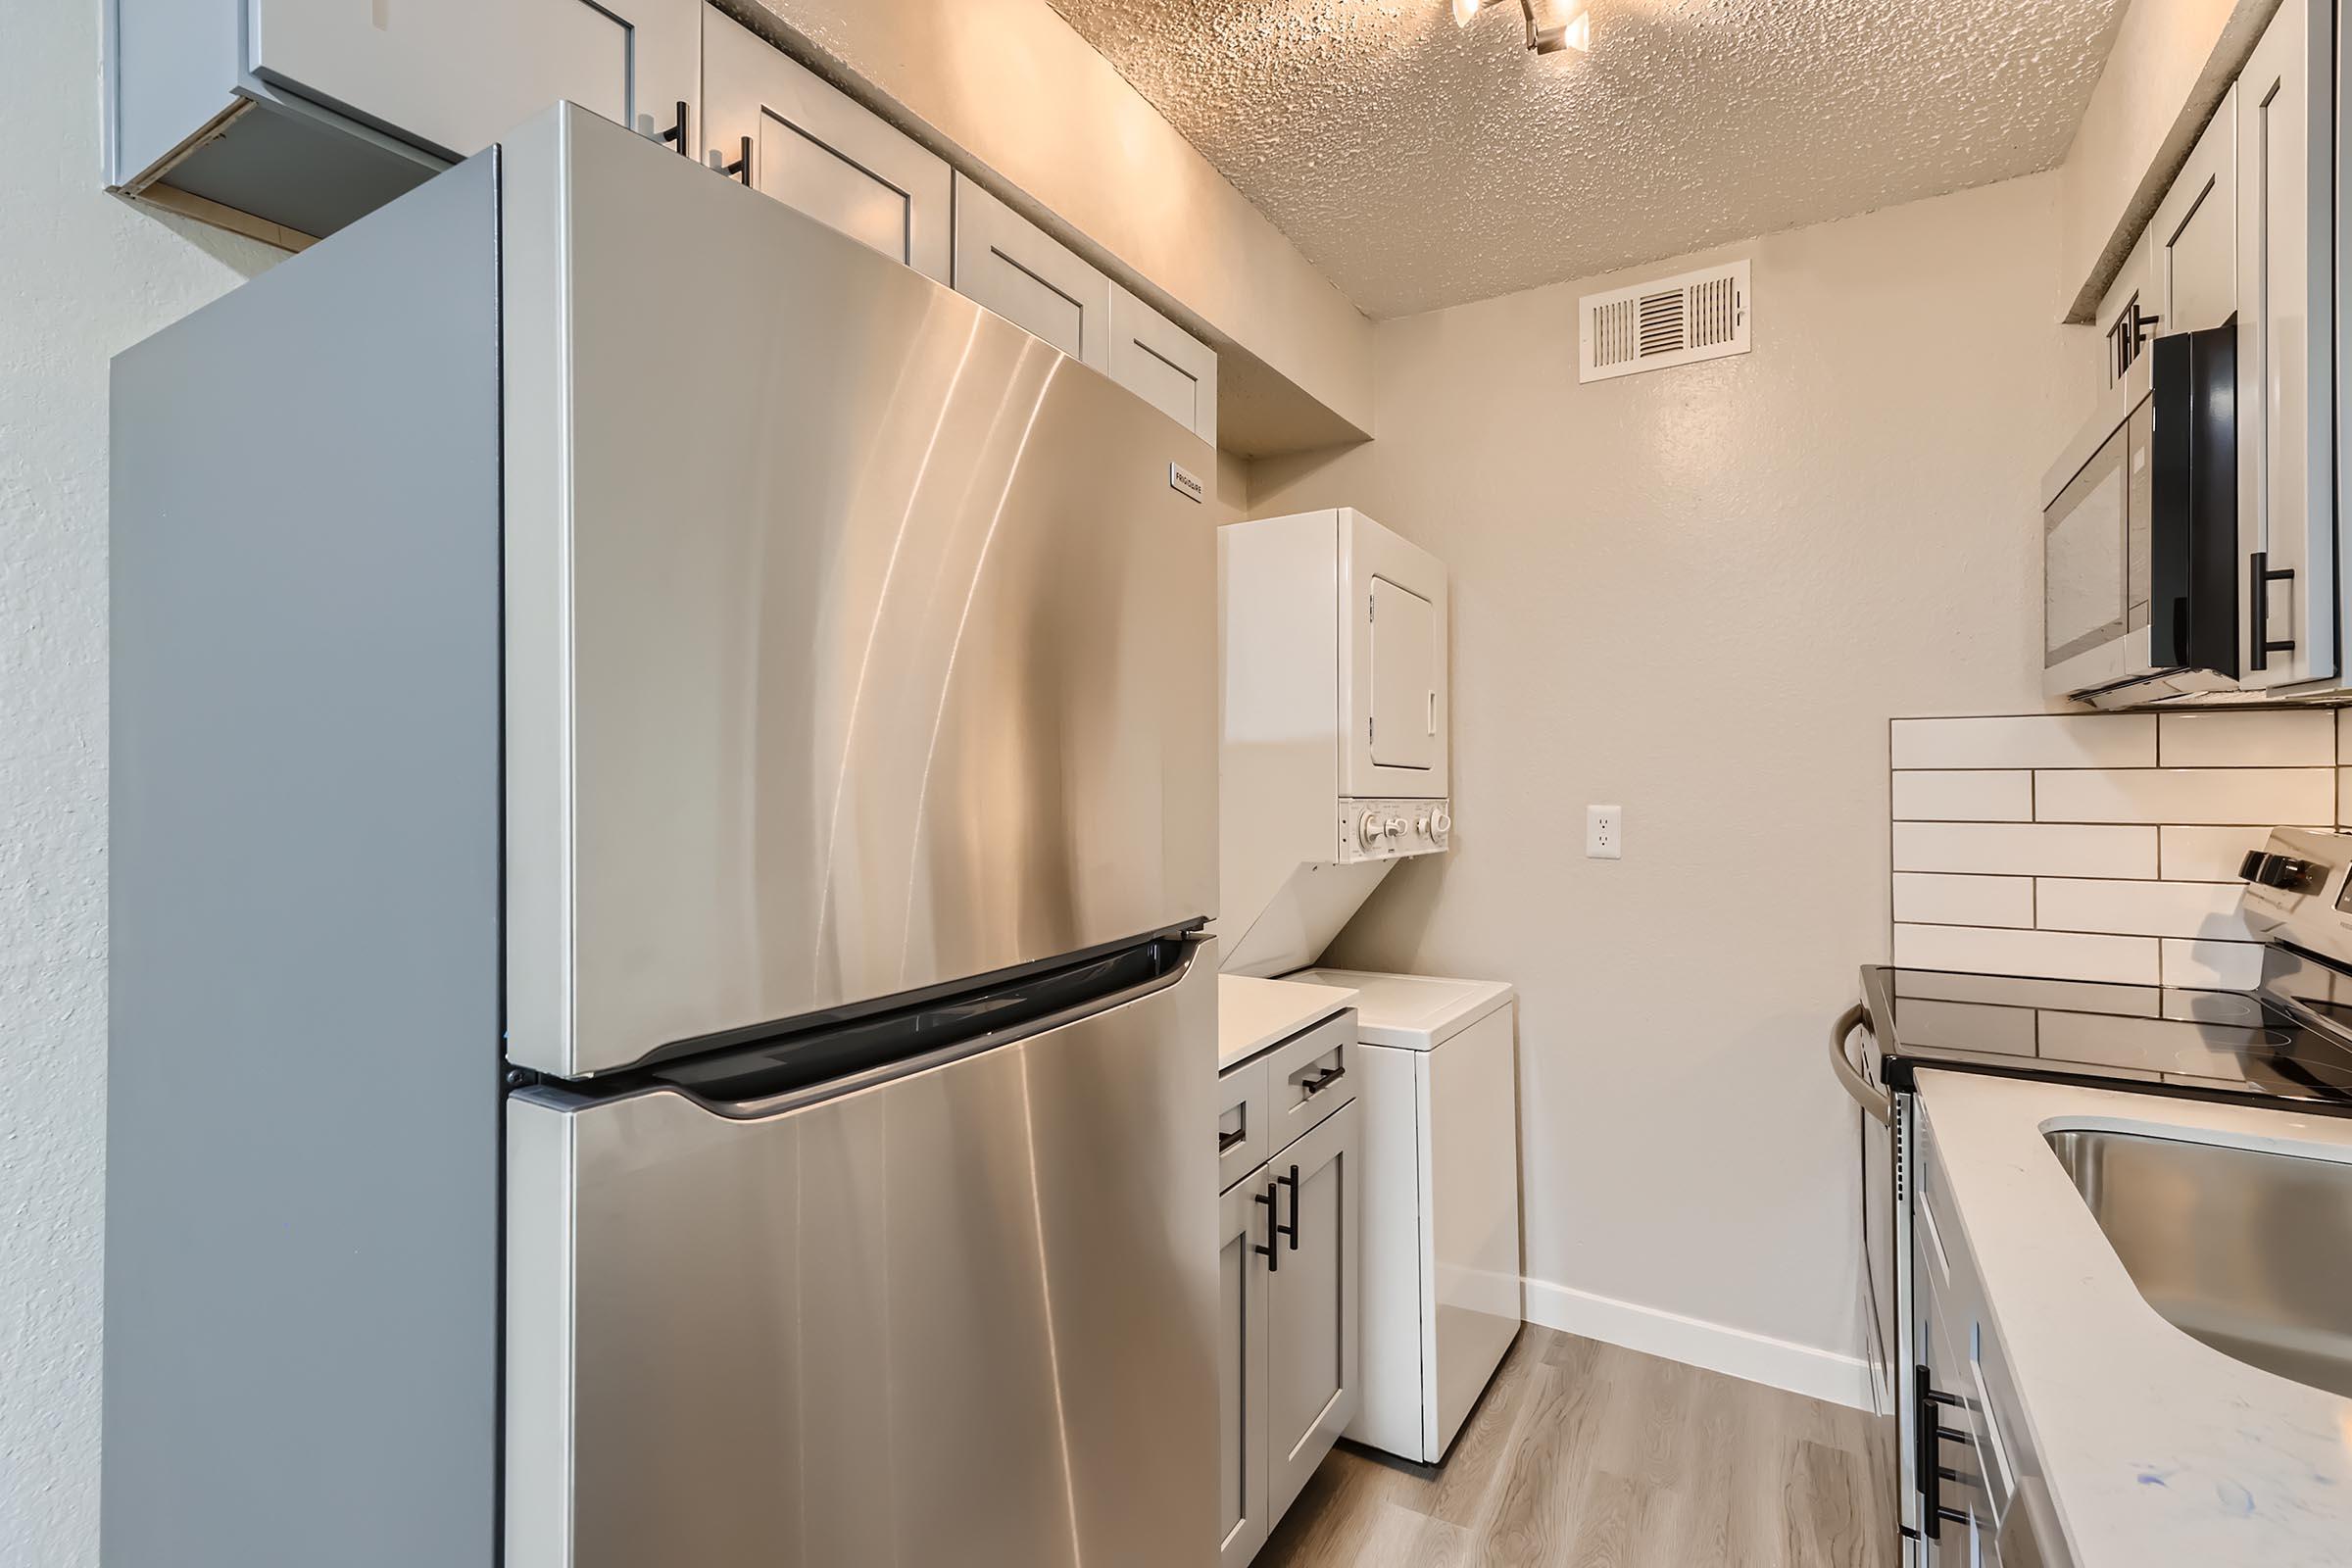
(304, 1106)
(171, 65)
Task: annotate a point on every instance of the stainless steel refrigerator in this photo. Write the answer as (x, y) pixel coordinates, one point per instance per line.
(663, 804)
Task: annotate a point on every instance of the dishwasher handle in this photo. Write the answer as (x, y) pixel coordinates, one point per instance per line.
(1873, 1101)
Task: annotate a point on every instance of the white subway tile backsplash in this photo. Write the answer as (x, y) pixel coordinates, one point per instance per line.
(1964, 796)
(2178, 794)
(2141, 909)
(2121, 868)
(2059, 954)
(2024, 849)
(2038, 740)
(2212, 966)
(2272, 738)
(1924, 898)
(2207, 853)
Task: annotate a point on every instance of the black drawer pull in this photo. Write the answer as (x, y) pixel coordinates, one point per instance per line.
(1291, 1229)
(677, 132)
(1232, 1139)
(1321, 1081)
(1266, 1249)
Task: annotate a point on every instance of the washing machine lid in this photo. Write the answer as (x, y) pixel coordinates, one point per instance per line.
(1412, 1011)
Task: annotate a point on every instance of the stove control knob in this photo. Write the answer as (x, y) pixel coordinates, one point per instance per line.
(1441, 822)
(2282, 871)
(1367, 832)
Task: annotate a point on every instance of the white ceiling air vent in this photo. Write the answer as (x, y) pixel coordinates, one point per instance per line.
(1673, 321)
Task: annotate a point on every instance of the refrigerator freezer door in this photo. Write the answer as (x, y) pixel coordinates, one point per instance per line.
(967, 1316)
(858, 642)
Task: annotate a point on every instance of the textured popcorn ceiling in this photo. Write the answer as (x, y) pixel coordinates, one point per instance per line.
(1420, 165)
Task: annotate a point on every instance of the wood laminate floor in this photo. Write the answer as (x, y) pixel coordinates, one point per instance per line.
(1584, 1455)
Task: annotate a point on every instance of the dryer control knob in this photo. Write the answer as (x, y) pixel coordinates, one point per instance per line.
(1367, 832)
(1421, 826)
(1396, 828)
(1441, 821)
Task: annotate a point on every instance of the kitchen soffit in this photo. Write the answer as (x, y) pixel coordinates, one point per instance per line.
(1421, 165)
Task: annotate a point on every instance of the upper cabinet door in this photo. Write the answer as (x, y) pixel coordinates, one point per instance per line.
(2126, 319)
(2193, 236)
(2285, 338)
(454, 75)
(1162, 363)
(810, 146)
(1029, 277)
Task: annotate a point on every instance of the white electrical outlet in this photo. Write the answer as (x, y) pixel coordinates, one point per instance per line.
(1605, 832)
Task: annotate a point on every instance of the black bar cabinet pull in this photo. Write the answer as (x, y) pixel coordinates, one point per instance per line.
(741, 168)
(1227, 1141)
(2259, 577)
(1267, 1250)
(1927, 1429)
(1322, 1081)
(1291, 1229)
(677, 132)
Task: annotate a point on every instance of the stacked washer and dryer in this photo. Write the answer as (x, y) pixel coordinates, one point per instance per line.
(1334, 771)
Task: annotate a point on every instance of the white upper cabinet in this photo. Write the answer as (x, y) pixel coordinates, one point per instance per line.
(2193, 237)
(454, 75)
(2125, 319)
(788, 134)
(1165, 364)
(2285, 334)
(1029, 277)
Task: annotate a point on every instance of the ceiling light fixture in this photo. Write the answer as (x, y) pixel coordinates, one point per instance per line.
(1554, 27)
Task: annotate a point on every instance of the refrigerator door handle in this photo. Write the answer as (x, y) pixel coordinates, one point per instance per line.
(922, 1039)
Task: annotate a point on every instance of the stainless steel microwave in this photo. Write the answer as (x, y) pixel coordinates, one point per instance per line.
(2139, 534)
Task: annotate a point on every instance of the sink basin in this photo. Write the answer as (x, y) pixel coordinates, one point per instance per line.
(2248, 1251)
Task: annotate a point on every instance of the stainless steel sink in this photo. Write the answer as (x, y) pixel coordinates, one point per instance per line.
(2247, 1250)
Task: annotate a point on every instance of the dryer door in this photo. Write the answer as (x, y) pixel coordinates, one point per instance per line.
(1393, 663)
(1404, 679)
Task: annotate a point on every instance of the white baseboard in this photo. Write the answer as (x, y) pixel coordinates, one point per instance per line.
(1695, 1341)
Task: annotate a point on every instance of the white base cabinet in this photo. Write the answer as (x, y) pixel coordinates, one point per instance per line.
(1288, 1353)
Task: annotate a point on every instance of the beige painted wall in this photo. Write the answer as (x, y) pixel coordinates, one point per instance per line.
(81, 275)
(1701, 593)
(1014, 89)
(2170, 64)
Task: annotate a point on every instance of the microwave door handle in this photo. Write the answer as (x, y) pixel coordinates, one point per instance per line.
(1874, 1101)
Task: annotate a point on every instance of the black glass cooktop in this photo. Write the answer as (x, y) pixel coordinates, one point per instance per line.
(2211, 1044)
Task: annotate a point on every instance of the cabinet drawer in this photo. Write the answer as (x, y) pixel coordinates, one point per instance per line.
(1244, 1139)
(1308, 1077)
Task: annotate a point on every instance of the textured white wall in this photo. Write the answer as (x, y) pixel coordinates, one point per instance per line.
(81, 275)
(1701, 593)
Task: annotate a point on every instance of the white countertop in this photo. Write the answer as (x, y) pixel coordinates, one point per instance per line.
(2158, 1450)
(1252, 1014)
